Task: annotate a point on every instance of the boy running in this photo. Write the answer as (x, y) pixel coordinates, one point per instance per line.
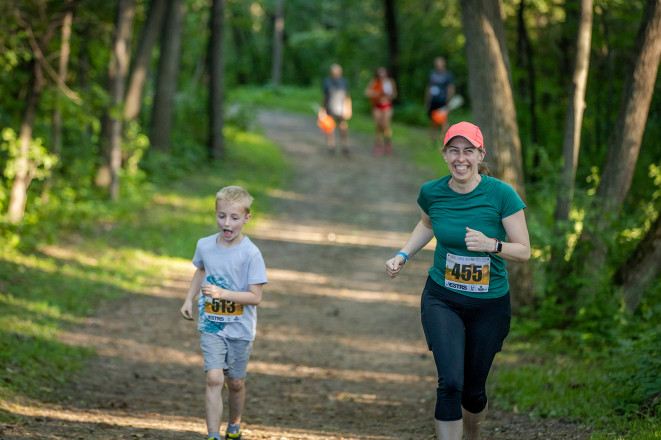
(229, 278)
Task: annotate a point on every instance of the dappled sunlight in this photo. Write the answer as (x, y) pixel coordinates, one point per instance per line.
(113, 417)
(273, 432)
(385, 207)
(364, 296)
(330, 236)
(164, 286)
(293, 334)
(36, 309)
(130, 349)
(295, 275)
(374, 345)
(346, 375)
(362, 398)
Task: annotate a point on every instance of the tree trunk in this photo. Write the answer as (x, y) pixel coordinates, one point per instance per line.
(166, 81)
(18, 196)
(493, 107)
(278, 31)
(393, 38)
(216, 139)
(65, 50)
(24, 167)
(142, 59)
(527, 86)
(574, 120)
(636, 274)
(623, 149)
(240, 44)
(119, 66)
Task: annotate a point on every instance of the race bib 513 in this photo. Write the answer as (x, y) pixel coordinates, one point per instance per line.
(220, 310)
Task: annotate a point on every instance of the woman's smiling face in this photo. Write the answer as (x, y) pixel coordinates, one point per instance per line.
(463, 159)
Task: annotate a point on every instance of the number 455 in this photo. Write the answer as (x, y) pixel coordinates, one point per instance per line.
(467, 272)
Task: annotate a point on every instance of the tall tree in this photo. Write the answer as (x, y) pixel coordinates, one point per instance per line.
(25, 166)
(393, 38)
(527, 86)
(623, 149)
(278, 32)
(216, 70)
(490, 85)
(166, 80)
(142, 59)
(118, 70)
(63, 64)
(574, 120)
(638, 271)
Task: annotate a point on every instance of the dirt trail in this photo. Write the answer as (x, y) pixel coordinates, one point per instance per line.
(339, 352)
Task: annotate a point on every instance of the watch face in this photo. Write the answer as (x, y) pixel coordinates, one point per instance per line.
(499, 246)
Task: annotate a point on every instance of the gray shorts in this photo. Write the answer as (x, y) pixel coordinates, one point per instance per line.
(230, 355)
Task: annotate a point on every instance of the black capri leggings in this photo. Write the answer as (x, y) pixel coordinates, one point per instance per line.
(464, 334)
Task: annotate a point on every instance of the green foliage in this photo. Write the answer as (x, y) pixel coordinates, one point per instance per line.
(141, 235)
(571, 378)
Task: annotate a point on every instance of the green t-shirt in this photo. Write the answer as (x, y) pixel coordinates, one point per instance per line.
(475, 274)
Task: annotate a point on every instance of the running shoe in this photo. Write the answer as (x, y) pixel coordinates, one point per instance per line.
(236, 436)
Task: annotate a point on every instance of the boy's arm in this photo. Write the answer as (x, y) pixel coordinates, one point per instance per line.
(250, 298)
(195, 286)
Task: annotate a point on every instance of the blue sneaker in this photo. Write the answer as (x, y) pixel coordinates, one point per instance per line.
(230, 436)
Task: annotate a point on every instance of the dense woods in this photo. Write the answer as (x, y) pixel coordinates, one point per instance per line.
(100, 98)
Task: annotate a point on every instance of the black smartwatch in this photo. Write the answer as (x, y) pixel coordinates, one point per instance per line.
(499, 246)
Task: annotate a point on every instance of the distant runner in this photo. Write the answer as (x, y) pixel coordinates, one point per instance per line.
(381, 90)
(337, 103)
(439, 91)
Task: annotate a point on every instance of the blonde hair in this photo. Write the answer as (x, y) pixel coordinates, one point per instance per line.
(235, 194)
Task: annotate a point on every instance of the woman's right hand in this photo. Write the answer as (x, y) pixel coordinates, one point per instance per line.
(394, 265)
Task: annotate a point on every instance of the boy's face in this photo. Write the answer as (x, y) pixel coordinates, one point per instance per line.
(230, 218)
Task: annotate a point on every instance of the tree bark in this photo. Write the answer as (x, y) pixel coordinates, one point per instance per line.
(278, 32)
(216, 138)
(636, 274)
(24, 172)
(527, 86)
(623, 149)
(574, 119)
(168, 72)
(117, 72)
(393, 38)
(490, 87)
(634, 108)
(65, 50)
(23, 177)
(142, 59)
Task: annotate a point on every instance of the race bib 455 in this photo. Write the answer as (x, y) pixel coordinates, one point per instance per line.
(470, 274)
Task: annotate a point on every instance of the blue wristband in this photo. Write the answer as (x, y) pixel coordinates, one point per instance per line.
(406, 257)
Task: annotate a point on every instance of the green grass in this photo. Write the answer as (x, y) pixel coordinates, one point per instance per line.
(614, 390)
(51, 284)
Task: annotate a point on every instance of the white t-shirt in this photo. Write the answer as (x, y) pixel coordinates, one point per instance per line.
(233, 268)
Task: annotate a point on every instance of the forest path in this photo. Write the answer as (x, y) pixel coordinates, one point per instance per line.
(339, 354)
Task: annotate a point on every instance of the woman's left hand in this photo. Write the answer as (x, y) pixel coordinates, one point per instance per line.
(478, 242)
